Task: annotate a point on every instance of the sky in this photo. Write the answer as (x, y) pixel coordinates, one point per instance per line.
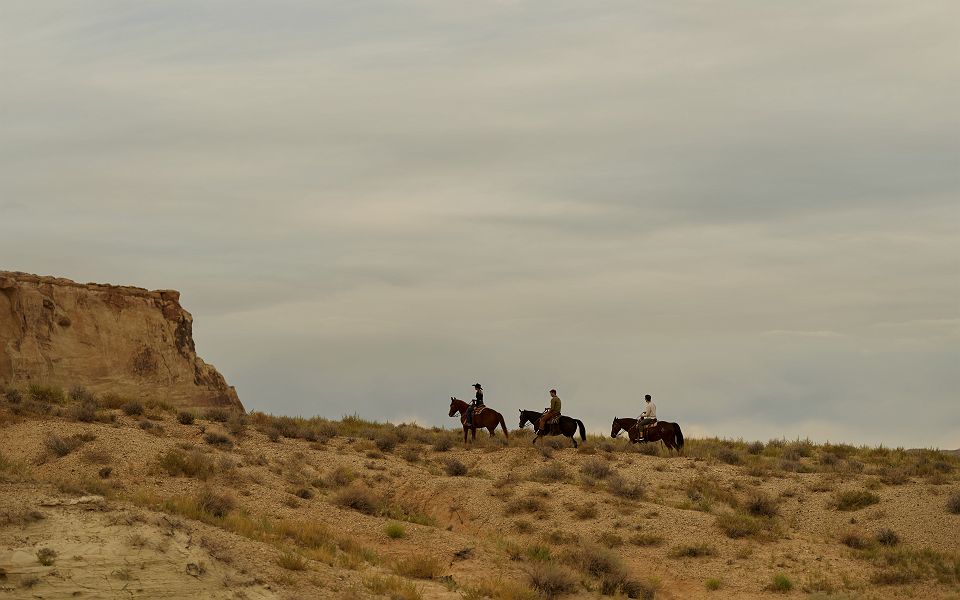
(750, 210)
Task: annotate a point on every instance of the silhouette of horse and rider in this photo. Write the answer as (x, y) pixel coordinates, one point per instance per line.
(550, 422)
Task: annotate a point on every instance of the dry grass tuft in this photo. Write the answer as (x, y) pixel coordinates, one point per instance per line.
(554, 472)
(419, 566)
(596, 468)
(46, 556)
(780, 584)
(194, 463)
(628, 490)
(293, 561)
(525, 506)
(454, 468)
(215, 438)
(551, 581)
(849, 500)
(215, 503)
(395, 588)
(693, 551)
(759, 504)
(358, 497)
(953, 503)
(62, 446)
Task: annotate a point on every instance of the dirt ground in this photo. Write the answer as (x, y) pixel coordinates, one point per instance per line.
(114, 538)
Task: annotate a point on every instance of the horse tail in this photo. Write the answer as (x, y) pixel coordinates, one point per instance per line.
(504, 425)
(583, 434)
(679, 435)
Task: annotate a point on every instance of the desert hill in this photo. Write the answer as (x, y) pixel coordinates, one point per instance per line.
(102, 498)
(111, 339)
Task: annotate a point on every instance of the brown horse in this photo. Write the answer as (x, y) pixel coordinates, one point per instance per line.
(668, 433)
(486, 419)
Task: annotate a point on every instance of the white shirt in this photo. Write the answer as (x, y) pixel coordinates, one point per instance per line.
(651, 411)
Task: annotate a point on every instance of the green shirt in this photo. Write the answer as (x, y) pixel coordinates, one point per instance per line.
(555, 403)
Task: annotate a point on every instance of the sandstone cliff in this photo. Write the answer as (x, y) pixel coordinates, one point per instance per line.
(107, 338)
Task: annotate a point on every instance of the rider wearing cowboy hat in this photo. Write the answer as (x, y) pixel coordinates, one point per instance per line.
(478, 401)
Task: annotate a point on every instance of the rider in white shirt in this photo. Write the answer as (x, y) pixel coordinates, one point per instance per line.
(648, 416)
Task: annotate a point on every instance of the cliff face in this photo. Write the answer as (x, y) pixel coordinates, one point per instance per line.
(107, 338)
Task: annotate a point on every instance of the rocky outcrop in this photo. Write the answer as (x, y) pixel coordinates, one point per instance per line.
(107, 338)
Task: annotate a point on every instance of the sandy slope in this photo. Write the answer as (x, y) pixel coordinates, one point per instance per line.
(114, 548)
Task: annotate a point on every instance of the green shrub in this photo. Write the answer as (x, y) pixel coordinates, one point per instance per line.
(395, 531)
(780, 584)
(217, 414)
(292, 561)
(849, 500)
(755, 448)
(185, 417)
(740, 525)
(538, 553)
(46, 393)
(194, 463)
(418, 566)
(713, 584)
(13, 396)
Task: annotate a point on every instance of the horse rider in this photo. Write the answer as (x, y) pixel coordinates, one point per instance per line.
(647, 417)
(476, 403)
(551, 413)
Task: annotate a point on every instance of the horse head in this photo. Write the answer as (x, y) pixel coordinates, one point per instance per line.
(523, 419)
(454, 407)
(615, 429)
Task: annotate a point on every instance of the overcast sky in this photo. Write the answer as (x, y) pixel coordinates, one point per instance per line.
(750, 210)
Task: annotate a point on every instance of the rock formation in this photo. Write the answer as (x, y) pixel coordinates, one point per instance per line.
(125, 340)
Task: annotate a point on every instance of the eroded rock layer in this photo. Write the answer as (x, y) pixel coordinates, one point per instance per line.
(107, 338)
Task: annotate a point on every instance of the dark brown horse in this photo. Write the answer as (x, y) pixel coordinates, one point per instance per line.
(567, 426)
(668, 433)
(486, 419)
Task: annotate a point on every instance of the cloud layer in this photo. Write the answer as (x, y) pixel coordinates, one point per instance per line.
(750, 212)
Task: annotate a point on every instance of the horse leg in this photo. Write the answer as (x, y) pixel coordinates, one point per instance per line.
(464, 433)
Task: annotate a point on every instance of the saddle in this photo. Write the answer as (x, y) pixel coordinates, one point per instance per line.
(643, 431)
(479, 409)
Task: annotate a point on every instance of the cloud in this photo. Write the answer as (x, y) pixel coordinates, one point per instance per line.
(749, 210)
